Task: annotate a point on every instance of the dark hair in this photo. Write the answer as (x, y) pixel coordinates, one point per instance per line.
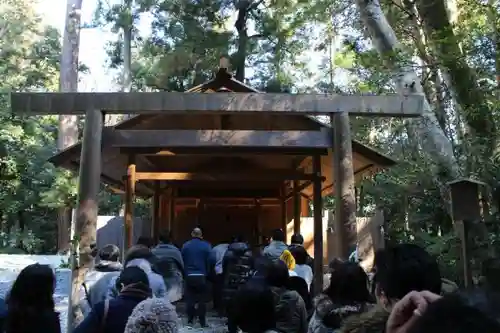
(278, 235)
(146, 241)
(138, 252)
(406, 267)
(300, 255)
(31, 299)
(109, 252)
(297, 239)
(459, 313)
(254, 310)
(348, 284)
(165, 237)
(134, 277)
(277, 274)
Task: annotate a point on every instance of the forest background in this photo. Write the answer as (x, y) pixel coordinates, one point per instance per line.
(447, 49)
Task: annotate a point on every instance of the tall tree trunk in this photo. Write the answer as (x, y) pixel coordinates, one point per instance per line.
(241, 26)
(126, 74)
(127, 59)
(494, 17)
(68, 82)
(430, 135)
(439, 31)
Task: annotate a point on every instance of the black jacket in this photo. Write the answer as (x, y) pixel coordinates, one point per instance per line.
(237, 267)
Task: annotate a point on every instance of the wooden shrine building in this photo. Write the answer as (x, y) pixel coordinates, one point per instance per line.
(222, 155)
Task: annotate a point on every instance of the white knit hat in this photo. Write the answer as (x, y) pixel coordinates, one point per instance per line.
(154, 315)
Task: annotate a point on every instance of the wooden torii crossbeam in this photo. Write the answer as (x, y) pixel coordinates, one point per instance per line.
(219, 103)
(338, 107)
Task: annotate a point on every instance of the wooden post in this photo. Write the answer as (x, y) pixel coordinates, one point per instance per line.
(345, 199)
(171, 213)
(284, 225)
(155, 230)
(466, 210)
(260, 238)
(200, 207)
(89, 181)
(318, 226)
(129, 204)
(296, 207)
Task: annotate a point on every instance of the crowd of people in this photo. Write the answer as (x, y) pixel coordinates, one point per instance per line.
(259, 290)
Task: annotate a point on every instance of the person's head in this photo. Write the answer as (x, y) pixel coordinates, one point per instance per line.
(133, 278)
(197, 233)
(403, 268)
(348, 284)
(300, 255)
(165, 237)
(109, 252)
(255, 312)
(297, 239)
(288, 259)
(146, 241)
(153, 315)
(460, 313)
(138, 252)
(277, 274)
(34, 287)
(278, 235)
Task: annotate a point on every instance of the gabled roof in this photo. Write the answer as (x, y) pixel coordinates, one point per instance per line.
(366, 160)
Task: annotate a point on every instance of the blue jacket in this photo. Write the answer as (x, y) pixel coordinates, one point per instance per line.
(120, 308)
(196, 254)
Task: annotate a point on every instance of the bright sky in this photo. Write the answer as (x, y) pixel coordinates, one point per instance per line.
(93, 41)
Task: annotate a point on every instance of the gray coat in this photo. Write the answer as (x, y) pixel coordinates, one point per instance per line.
(97, 281)
(156, 282)
(274, 250)
(169, 264)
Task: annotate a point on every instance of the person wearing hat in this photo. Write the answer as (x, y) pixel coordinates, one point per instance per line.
(196, 254)
(153, 315)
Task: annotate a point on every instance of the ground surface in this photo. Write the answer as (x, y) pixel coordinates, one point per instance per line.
(216, 324)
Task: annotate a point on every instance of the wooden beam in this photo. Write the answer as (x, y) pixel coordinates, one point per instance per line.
(283, 216)
(218, 139)
(155, 230)
(318, 228)
(224, 151)
(172, 214)
(129, 203)
(85, 228)
(296, 207)
(219, 103)
(227, 193)
(300, 188)
(261, 176)
(343, 175)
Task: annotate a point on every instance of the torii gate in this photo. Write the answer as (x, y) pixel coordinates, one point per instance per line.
(337, 107)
